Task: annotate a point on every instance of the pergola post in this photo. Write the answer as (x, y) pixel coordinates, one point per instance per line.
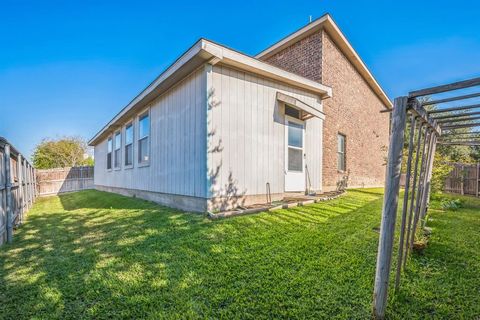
(414, 188)
(426, 183)
(421, 185)
(413, 125)
(429, 179)
(390, 206)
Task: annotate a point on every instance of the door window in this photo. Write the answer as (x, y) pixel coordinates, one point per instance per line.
(295, 147)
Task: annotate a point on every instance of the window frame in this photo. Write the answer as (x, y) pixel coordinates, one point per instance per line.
(139, 138)
(302, 124)
(343, 153)
(110, 138)
(119, 149)
(125, 145)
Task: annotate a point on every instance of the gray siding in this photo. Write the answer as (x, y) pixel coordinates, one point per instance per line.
(246, 146)
(177, 143)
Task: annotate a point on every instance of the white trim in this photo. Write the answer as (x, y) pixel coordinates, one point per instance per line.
(208, 73)
(342, 42)
(118, 132)
(244, 62)
(299, 174)
(110, 137)
(132, 123)
(344, 153)
(149, 137)
(294, 102)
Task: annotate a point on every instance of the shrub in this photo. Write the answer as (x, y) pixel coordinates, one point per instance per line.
(451, 204)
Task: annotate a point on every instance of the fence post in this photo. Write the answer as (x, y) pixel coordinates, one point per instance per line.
(32, 170)
(8, 189)
(462, 180)
(27, 190)
(35, 191)
(30, 185)
(20, 190)
(477, 183)
(390, 206)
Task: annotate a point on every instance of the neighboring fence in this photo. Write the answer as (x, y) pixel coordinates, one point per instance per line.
(464, 179)
(55, 181)
(17, 189)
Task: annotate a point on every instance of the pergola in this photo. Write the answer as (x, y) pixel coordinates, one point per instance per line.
(445, 125)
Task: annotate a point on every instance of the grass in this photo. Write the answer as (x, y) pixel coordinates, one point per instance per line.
(99, 255)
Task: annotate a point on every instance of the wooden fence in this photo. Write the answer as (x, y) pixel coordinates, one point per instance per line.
(17, 189)
(60, 180)
(464, 179)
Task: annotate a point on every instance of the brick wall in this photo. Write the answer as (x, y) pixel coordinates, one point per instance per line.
(302, 57)
(354, 110)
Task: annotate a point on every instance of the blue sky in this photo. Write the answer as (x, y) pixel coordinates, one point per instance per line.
(67, 67)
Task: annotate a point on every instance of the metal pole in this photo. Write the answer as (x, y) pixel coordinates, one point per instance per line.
(390, 205)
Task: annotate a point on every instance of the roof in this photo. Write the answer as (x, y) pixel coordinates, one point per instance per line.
(201, 52)
(326, 22)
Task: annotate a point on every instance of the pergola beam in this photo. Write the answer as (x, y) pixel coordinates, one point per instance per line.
(460, 133)
(458, 115)
(458, 120)
(464, 97)
(415, 107)
(445, 88)
(459, 126)
(452, 109)
(460, 143)
(449, 138)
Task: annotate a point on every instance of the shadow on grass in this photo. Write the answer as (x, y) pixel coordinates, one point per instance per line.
(98, 255)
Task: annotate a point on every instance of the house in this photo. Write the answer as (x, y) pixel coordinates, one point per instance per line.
(219, 128)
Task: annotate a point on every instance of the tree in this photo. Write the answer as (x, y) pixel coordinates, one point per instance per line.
(60, 153)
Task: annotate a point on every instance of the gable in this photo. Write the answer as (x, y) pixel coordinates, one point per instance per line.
(304, 49)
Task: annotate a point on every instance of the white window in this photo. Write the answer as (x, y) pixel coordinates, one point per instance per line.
(118, 145)
(341, 163)
(129, 145)
(143, 138)
(109, 153)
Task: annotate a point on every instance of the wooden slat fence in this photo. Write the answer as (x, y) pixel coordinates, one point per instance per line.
(17, 189)
(464, 179)
(60, 180)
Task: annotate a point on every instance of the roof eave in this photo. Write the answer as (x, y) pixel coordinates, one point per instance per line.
(247, 63)
(201, 52)
(190, 60)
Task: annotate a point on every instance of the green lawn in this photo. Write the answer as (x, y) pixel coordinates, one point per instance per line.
(98, 255)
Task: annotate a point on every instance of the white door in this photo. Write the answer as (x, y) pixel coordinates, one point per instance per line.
(294, 155)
